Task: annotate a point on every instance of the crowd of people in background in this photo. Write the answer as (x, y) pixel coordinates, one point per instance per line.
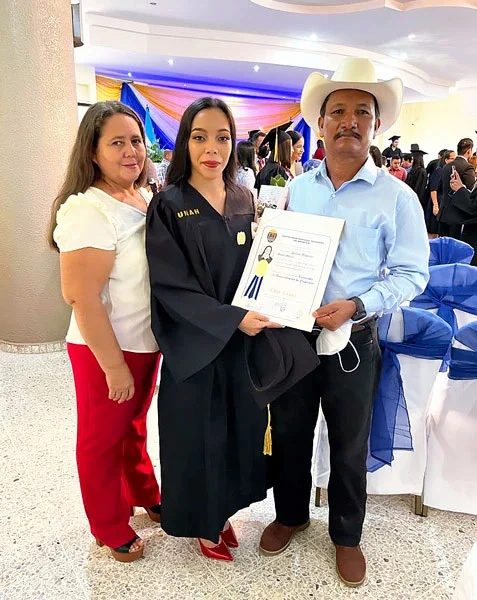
(436, 185)
(279, 152)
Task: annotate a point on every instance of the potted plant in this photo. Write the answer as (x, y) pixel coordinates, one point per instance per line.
(155, 153)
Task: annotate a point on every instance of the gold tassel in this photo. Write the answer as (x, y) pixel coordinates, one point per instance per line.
(267, 441)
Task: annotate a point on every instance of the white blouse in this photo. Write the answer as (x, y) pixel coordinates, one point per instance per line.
(97, 220)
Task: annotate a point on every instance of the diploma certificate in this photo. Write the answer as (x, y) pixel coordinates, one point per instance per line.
(288, 267)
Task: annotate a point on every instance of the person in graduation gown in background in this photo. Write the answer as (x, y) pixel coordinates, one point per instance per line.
(211, 431)
(417, 177)
(280, 160)
(393, 151)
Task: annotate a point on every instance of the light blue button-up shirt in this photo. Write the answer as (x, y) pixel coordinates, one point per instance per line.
(383, 253)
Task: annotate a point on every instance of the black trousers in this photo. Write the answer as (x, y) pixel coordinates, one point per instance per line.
(469, 235)
(347, 401)
(446, 230)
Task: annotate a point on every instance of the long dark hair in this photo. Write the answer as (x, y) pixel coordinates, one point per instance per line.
(82, 171)
(284, 153)
(180, 168)
(417, 161)
(246, 155)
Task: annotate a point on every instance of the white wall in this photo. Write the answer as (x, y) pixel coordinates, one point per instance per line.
(435, 125)
(85, 87)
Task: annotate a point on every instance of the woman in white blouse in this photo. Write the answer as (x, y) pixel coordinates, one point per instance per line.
(98, 225)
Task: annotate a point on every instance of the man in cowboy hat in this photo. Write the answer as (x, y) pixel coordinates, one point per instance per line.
(381, 262)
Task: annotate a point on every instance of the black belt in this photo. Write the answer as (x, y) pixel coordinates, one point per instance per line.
(361, 326)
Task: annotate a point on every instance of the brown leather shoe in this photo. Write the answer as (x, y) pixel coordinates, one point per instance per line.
(350, 565)
(276, 537)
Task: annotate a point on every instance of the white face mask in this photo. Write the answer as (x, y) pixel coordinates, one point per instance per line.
(333, 342)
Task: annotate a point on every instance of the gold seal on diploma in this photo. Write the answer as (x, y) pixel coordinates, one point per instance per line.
(241, 238)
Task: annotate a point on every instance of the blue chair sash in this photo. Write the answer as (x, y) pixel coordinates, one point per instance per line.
(463, 364)
(425, 336)
(450, 287)
(446, 251)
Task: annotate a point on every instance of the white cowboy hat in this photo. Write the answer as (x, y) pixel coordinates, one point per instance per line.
(352, 74)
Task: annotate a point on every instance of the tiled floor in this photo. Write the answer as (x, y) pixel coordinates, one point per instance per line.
(46, 552)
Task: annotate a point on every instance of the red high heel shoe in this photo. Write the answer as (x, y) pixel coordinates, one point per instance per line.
(219, 551)
(229, 537)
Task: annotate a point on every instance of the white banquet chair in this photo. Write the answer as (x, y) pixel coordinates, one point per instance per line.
(405, 475)
(450, 481)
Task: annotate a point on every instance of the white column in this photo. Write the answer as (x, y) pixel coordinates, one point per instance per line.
(38, 122)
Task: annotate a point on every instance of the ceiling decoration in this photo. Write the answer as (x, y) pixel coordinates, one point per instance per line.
(275, 44)
(329, 7)
(197, 43)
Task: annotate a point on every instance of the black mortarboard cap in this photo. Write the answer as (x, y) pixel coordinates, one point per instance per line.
(277, 134)
(276, 360)
(394, 138)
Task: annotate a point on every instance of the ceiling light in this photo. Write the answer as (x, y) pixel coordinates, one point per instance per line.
(313, 37)
(171, 61)
(129, 74)
(411, 36)
(256, 68)
(326, 75)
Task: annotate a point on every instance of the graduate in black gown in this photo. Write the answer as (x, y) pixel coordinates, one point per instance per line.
(211, 430)
(279, 163)
(417, 176)
(392, 151)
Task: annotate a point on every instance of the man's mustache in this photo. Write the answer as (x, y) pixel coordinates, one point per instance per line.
(347, 134)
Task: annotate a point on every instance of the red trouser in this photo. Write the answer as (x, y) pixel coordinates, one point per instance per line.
(114, 468)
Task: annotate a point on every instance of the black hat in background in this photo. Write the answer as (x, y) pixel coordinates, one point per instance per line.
(253, 132)
(415, 149)
(393, 138)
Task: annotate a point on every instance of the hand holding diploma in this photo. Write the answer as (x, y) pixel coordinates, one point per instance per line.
(288, 268)
(333, 315)
(253, 323)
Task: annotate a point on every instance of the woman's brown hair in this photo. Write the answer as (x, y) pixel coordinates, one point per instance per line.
(284, 153)
(82, 171)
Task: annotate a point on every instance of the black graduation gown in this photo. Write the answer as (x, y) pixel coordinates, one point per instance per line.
(271, 169)
(211, 430)
(391, 153)
(417, 180)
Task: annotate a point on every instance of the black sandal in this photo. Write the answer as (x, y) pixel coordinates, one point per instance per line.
(123, 553)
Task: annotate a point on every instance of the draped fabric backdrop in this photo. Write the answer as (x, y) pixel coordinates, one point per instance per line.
(107, 88)
(252, 109)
